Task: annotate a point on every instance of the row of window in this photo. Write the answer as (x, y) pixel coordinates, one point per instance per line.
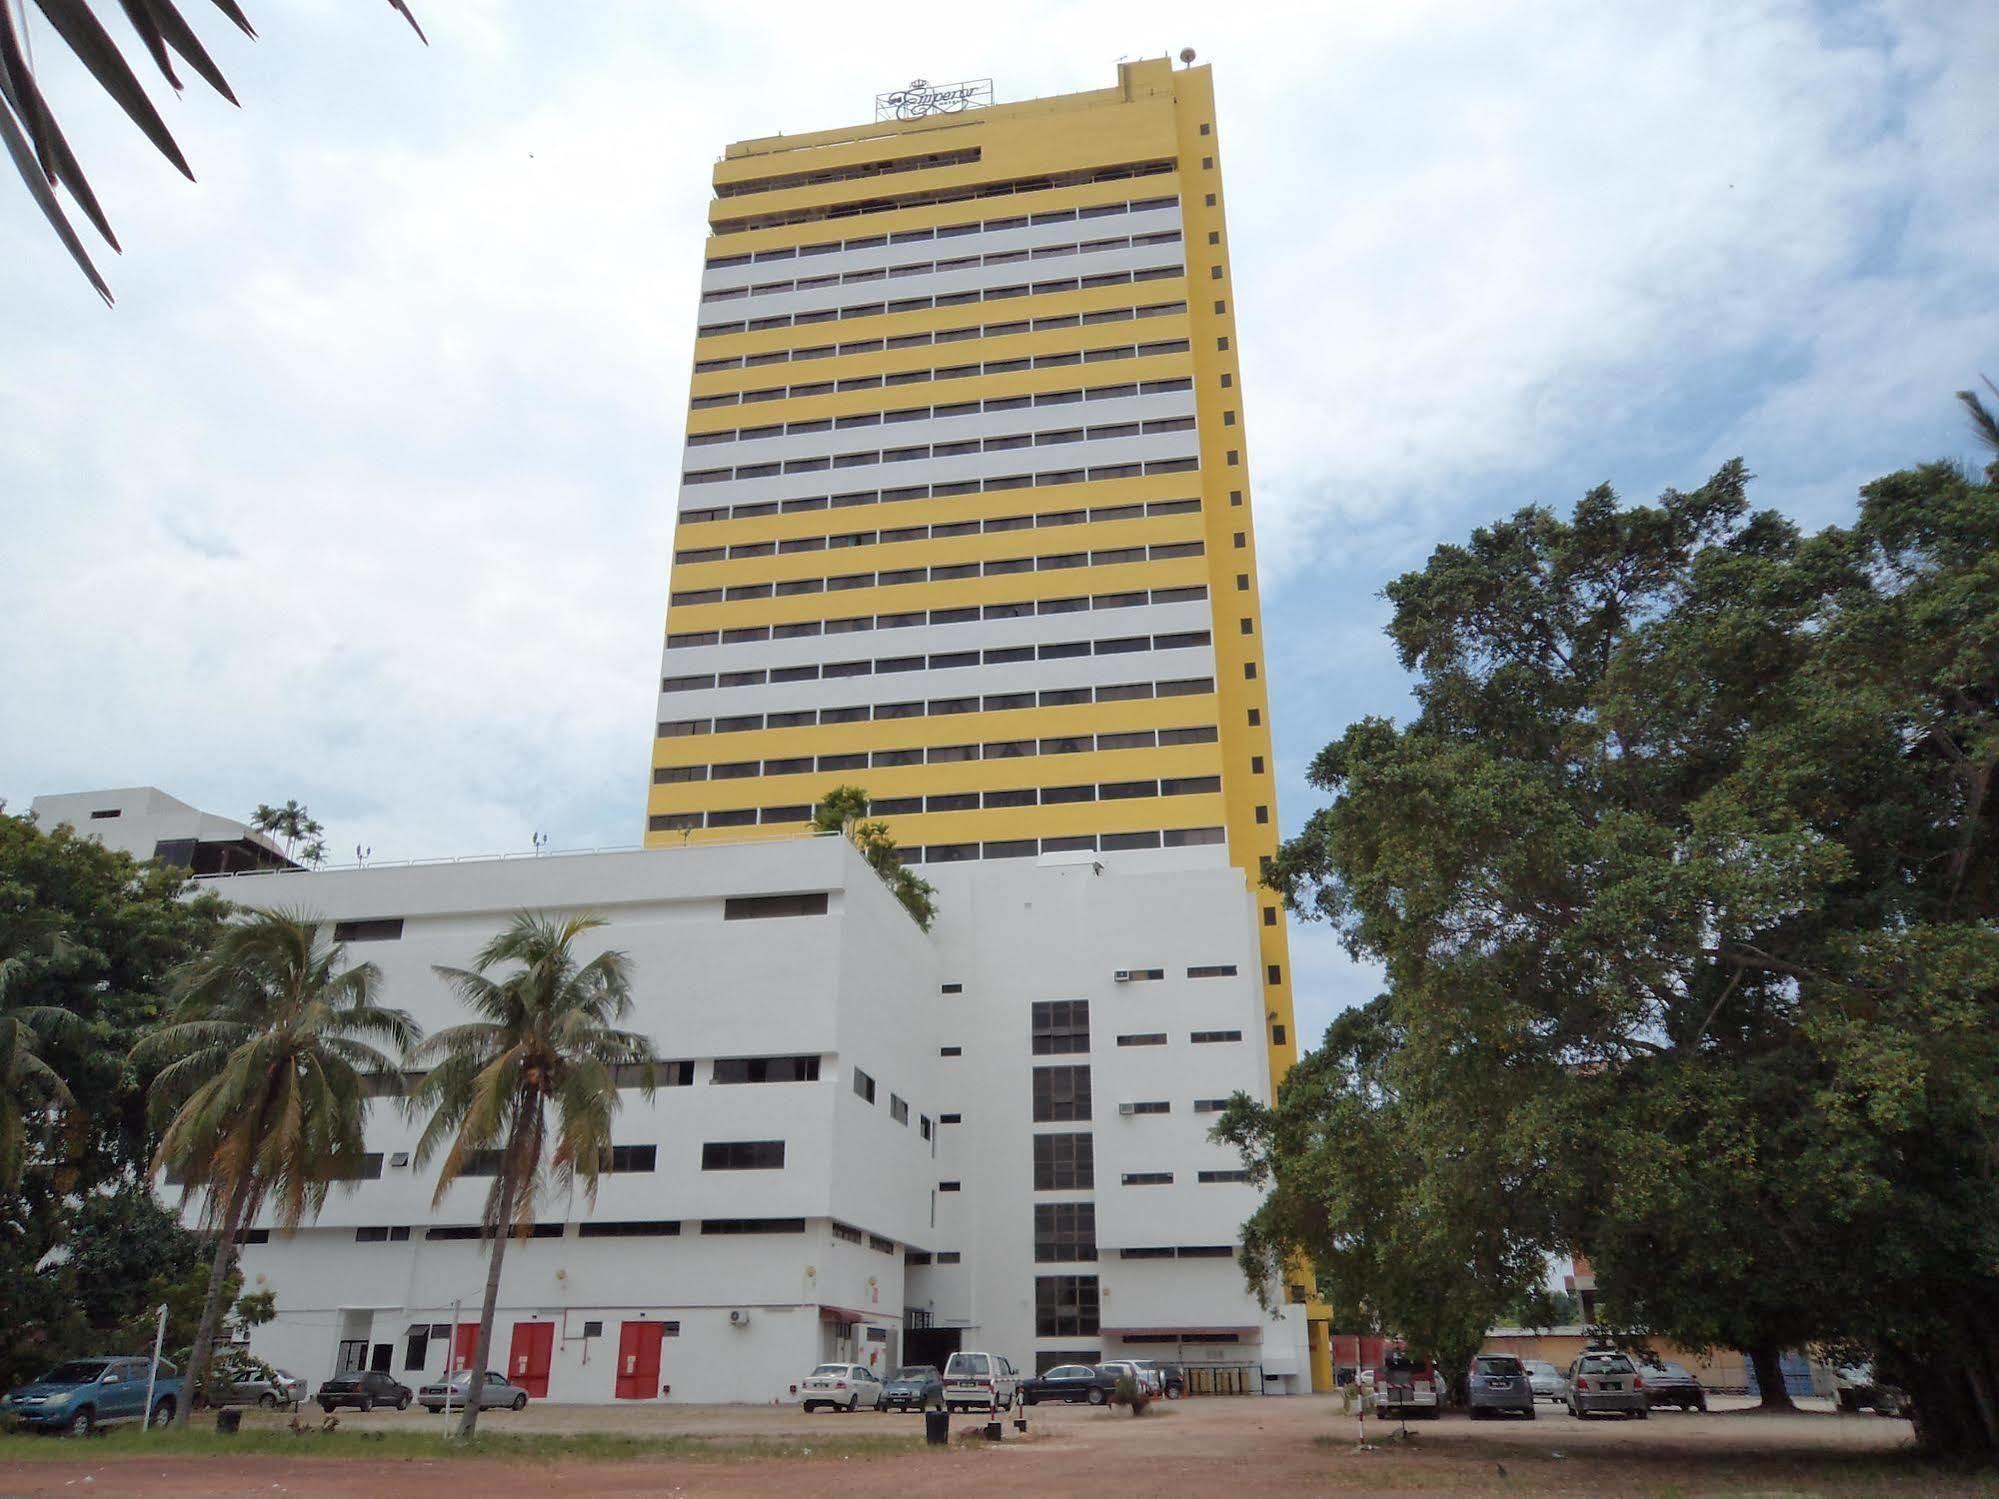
(1170, 271)
(1028, 848)
(967, 447)
(881, 666)
(783, 180)
(925, 1257)
(943, 266)
(1010, 187)
(596, 1229)
(1043, 479)
(1061, 1027)
(992, 702)
(944, 572)
(1011, 749)
(1012, 327)
(1165, 1178)
(928, 338)
(898, 1107)
(1136, 598)
(947, 410)
(946, 801)
(941, 531)
(954, 231)
(848, 1234)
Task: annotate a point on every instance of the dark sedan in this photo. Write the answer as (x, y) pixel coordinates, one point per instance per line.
(1070, 1384)
(363, 1391)
(914, 1387)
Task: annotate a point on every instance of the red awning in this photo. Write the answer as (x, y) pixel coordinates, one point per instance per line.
(848, 1314)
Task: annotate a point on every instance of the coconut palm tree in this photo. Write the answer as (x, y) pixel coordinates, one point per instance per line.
(263, 1084)
(539, 1068)
(28, 130)
(25, 1079)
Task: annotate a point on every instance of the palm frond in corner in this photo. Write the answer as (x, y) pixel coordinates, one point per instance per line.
(28, 128)
(1984, 419)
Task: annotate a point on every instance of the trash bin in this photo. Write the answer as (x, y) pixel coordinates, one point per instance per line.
(228, 1421)
(937, 1428)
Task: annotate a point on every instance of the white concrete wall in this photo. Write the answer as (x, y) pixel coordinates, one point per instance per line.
(859, 987)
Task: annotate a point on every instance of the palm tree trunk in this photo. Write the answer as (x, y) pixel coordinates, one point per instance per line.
(509, 1188)
(211, 1309)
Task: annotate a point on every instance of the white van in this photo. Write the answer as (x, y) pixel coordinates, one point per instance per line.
(980, 1381)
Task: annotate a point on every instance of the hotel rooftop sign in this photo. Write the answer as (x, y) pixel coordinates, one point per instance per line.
(922, 98)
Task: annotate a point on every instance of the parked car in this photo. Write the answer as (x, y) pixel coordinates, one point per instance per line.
(1498, 1382)
(1671, 1384)
(980, 1381)
(1172, 1378)
(843, 1387)
(1143, 1373)
(1405, 1387)
(1549, 1382)
(363, 1389)
(1856, 1389)
(913, 1387)
(1069, 1384)
(278, 1388)
(1606, 1382)
(79, 1396)
(497, 1393)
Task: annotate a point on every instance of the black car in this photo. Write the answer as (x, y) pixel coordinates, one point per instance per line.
(364, 1391)
(1069, 1383)
(914, 1387)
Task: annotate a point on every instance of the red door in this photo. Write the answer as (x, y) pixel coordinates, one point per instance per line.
(527, 1363)
(638, 1359)
(463, 1346)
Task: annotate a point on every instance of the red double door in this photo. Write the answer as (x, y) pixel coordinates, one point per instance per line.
(638, 1359)
(529, 1357)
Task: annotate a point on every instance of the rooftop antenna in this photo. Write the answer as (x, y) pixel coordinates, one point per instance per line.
(1187, 56)
(362, 855)
(540, 842)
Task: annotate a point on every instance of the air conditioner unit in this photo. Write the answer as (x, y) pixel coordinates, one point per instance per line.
(1127, 1108)
(739, 1318)
(1122, 976)
(400, 1159)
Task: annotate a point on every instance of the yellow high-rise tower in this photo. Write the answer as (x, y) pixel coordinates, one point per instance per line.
(965, 510)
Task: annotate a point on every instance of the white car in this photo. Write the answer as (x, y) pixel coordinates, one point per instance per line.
(840, 1387)
(1549, 1382)
(980, 1382)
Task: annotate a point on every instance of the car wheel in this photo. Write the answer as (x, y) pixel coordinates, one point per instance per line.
(1097, 1396)
(1574, 1413)
(1530, 1413)
(1642, 1412)
(268, 1401)
(82, 1424)
(521, 1401)
(402, 1402)
(367, 1403)
(163, 1413)
(327, 1406)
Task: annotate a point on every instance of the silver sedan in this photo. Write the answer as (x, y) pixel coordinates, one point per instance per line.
(498, 1393)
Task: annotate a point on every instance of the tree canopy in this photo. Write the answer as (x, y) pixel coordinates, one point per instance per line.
(844, 810)
(1684, 877)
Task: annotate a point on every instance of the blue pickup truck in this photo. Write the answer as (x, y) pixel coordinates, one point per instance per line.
(78, 1397)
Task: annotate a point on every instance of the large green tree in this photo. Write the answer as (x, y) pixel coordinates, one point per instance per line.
(263, 1084)
(88, 941)
(1685, 881)
(528, 1090)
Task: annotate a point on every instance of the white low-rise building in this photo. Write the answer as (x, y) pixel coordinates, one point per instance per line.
(869, 1143)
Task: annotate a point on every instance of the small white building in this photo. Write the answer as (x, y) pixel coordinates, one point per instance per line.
(869, 1143)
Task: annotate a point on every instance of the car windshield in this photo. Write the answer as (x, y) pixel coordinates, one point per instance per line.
(1490, 1364)
(1677, 1370)
(1542, 1366)
(968, 1363)
(81, 1371)
(829, 1369)
(1606, 1363)
(915, 1371)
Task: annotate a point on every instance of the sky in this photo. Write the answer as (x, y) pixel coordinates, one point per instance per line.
(363, 492)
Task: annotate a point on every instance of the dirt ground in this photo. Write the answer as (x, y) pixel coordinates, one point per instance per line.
(1191, 1447)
